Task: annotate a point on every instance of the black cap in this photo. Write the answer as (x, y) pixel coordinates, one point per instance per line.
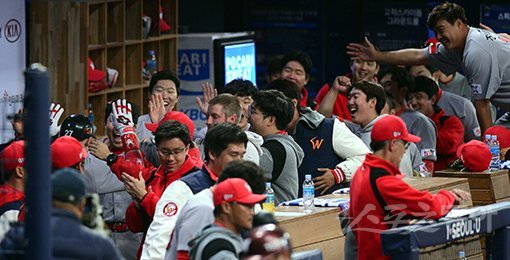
(77, 126)
(68, 185)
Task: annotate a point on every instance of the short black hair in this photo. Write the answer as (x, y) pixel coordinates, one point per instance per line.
(288, 88)
(134, 111)
(402, 77)
(240, 87)
(246, 170)
(162, 75)
(390, 100)
(447, 11)
(371, 90)
(425, 84)
(275, 65)
(300, 57)
(218, 138)
(172, 129)
(274, 103)
(378, 145)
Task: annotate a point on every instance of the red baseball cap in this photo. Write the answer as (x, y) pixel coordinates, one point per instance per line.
(13, 155)
(163, 26)
(235, 189)
(475, 155)
(177, 116)
(66, 151)
(503, 135)
(95, 75)
(392, 127)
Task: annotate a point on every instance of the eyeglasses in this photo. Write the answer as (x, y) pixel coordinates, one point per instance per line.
(174, 152)
(406, 144)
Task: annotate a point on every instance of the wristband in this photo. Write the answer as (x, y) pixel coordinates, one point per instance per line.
(111, 159)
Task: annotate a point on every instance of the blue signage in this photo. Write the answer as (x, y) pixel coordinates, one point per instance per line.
(193, 64)
(496, 16)
(240, 62)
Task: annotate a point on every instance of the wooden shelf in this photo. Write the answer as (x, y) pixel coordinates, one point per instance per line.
(109, 32)
(114, 44)
(93, 47)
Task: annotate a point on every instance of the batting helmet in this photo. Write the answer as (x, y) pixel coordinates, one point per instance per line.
(266, 240)
(77, 126)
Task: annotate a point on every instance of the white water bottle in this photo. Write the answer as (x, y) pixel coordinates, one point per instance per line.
(494, 147)
(308, 194)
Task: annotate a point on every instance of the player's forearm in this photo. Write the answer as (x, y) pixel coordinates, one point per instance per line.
(483, 113)
(326, 106)
(402, 57)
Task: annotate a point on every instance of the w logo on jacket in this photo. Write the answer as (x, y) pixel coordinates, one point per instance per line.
(316, 143)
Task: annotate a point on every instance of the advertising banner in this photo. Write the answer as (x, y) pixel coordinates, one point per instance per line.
(12, 63)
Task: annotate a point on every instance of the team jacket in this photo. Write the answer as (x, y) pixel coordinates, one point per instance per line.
(169, 208)
(279, 162)
(11, 200)
(216, 242)
(368, 216)
(70, 240)
(327, 143)
(450, 134)
(139, 215)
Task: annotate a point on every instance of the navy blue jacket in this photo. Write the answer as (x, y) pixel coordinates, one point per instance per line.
(71, 240)
(198, 180)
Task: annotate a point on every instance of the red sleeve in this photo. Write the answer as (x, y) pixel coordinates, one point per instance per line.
(338, 174)
(321, 94)
(123, 165)
(149, 203)
(21, 214)
(450, 136)
(340, 108)
(430, 165)
(136, 219)
(402, 198)
(182, 255)
(194, 154)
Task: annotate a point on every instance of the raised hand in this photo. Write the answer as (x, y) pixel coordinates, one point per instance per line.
(157, 108)
(341, 83)
(365, 51)
(56, 111)
(122, 115)
(209, 93)
(123, 123)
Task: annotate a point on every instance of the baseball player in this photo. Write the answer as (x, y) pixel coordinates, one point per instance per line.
(480, 54)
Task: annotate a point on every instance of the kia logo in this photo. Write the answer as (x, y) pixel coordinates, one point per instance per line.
(12, 30)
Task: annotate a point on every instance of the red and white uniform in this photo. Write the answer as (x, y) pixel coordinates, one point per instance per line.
(367, 215)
